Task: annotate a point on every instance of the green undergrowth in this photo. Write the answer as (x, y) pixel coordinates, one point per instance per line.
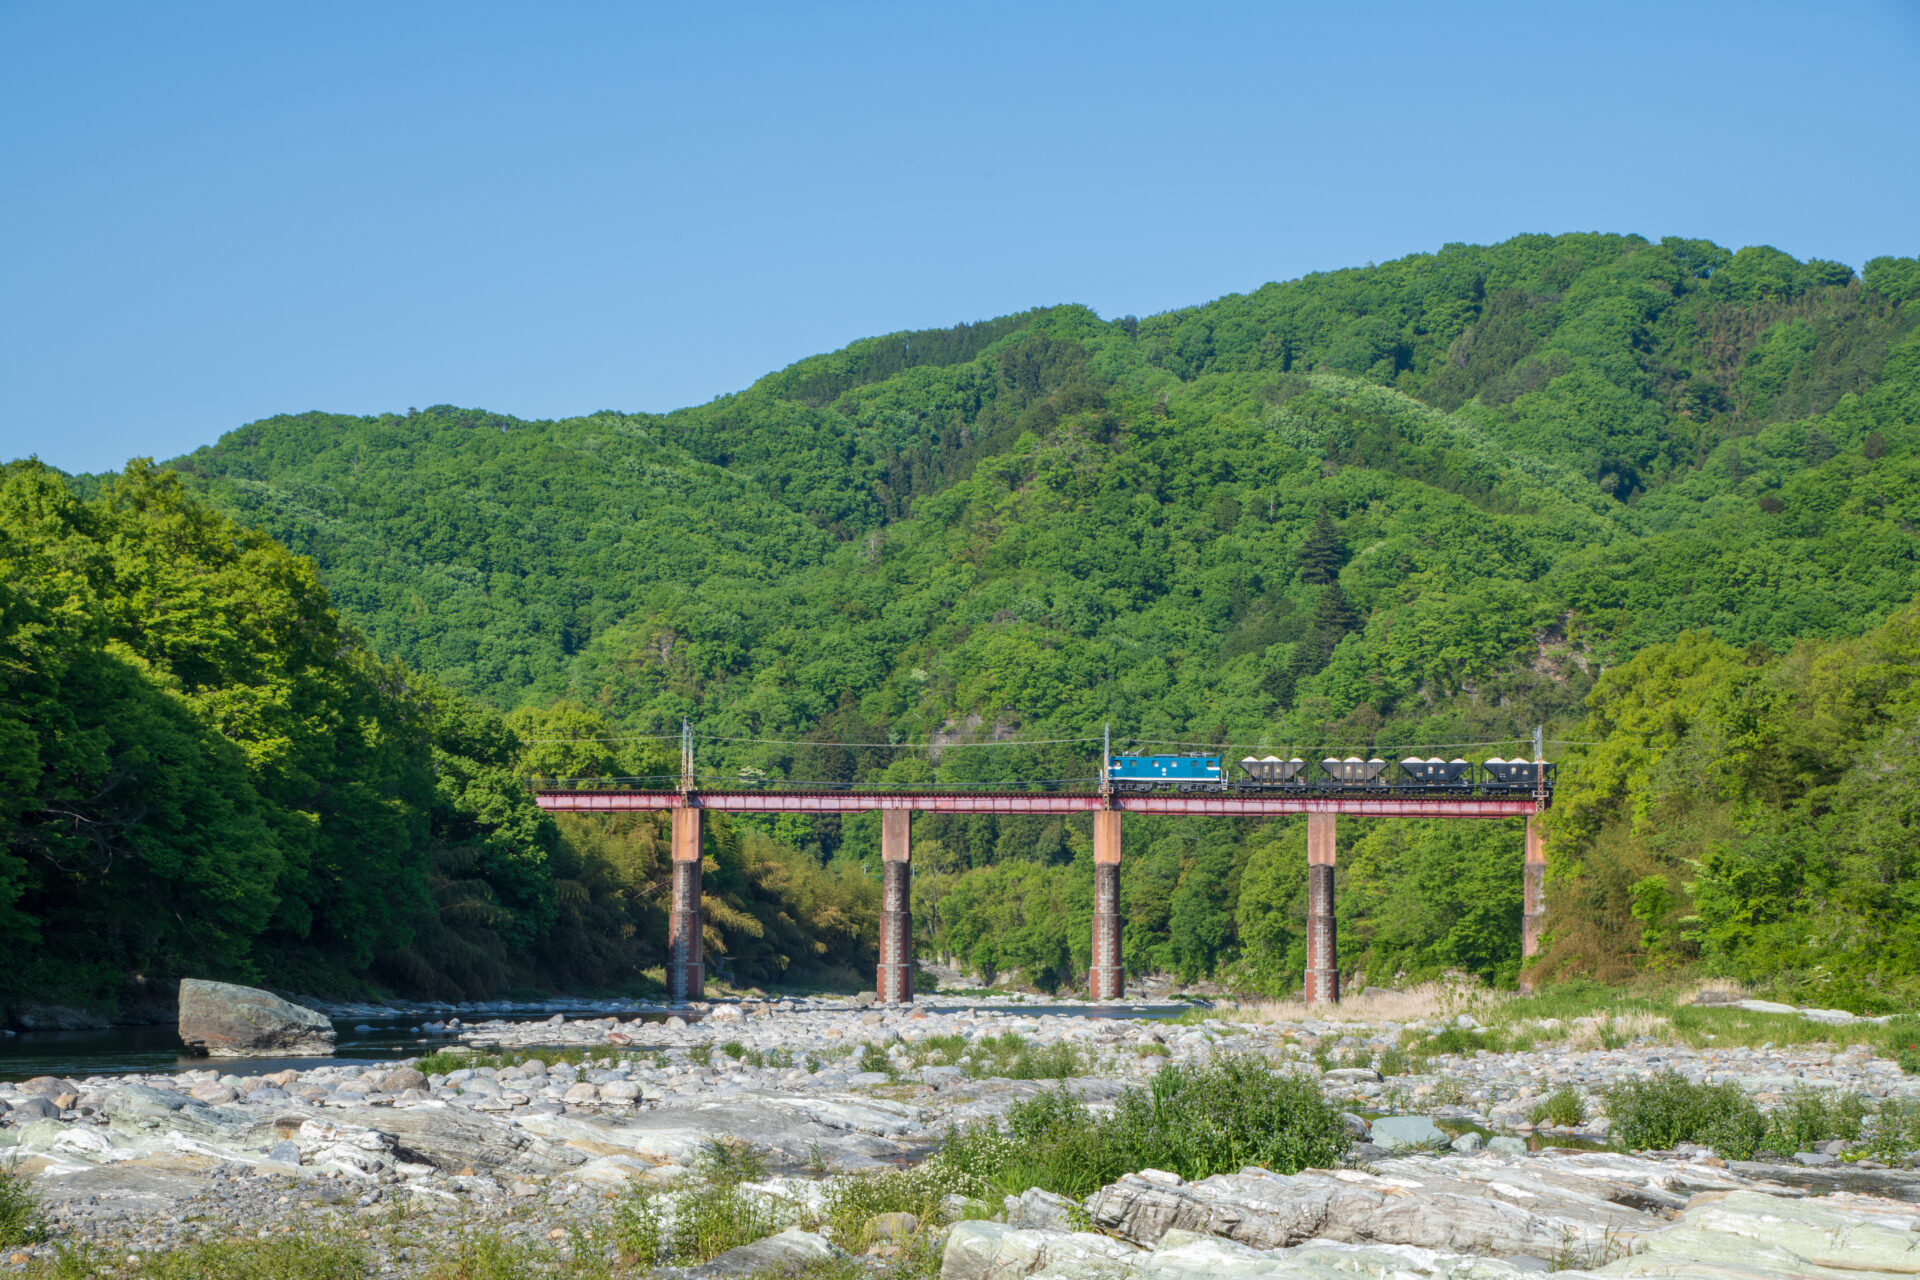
(443, 1061)
(20, 1219)
(1564, 1106)
(1590, 1014)
(1666, 1110)
(1194, 1121)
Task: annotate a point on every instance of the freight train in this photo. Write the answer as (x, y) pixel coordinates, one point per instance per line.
(1412, 776)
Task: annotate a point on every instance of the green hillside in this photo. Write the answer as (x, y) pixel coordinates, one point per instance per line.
(1421, 504)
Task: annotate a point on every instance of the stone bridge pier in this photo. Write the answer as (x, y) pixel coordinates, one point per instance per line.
(686, 963)
(1323, 942)
(894, 982)
(1106, 978)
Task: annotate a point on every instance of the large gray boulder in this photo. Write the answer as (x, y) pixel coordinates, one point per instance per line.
(228, 1021)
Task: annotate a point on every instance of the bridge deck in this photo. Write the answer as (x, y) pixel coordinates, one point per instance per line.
(1199, 804)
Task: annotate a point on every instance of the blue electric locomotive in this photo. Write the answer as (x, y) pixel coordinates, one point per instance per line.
(1188, 772)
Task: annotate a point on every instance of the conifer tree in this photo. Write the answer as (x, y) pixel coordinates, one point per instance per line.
(1323, 554)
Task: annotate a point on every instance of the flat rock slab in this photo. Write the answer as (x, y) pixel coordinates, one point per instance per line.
(228, 1021)
(792, 1132)
(786, 1254)
(1486, 1204)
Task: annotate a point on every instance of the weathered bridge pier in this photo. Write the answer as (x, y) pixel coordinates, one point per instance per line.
(686, 971)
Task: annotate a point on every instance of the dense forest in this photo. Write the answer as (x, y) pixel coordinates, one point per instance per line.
(1656, 496)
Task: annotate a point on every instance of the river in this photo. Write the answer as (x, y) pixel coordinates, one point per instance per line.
(150, 1050)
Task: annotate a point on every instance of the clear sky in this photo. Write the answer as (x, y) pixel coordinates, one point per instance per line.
(213, 213)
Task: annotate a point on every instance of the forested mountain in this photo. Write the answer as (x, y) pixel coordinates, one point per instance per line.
(206, 774)
(1421, 504)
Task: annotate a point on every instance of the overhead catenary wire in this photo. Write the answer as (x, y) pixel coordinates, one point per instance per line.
(1012, 742)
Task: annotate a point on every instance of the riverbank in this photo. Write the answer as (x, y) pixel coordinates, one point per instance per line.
(540, 1131)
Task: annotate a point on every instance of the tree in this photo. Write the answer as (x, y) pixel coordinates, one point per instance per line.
(1323, 553)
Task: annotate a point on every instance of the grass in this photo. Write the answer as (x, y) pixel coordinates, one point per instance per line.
(20, 1218)
(290, 1258)
(1427, 1002)
(1009, 1056)
(445, 1061)
(713, 1214)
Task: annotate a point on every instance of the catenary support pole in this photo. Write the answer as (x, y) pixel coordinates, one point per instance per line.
(1533, 918)
(1323, 949)
(1105, 976)
(894, 984)
(686, 968)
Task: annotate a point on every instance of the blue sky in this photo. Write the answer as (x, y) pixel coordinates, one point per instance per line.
(213, 213)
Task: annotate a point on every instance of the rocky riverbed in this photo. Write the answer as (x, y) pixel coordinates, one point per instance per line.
(575, 1112)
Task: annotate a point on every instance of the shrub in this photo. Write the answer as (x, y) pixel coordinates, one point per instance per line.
(1564, 1106)
(636, 1229)
(701, 1055)
(20, 1220)
(1893, 1131)
(728, 1162)
(712, 1218)
(734, 1049)
(1660, 1113)
(1194, 1121)
(1812, 1116)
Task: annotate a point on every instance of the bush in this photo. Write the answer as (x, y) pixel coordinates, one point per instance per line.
(1193, 1121)
(1812, 1116)
(1564, 1106)
(1660, 1113)
(1893, 1131)
(712, 1219)
(636, 1229)
(20, 1220)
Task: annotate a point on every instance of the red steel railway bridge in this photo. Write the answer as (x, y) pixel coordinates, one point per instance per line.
(686, 970)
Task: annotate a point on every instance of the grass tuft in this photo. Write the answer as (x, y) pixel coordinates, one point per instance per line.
(20, 1218)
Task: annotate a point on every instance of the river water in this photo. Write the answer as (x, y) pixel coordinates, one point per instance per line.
(151, 1050)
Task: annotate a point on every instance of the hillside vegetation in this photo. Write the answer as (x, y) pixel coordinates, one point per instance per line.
(1426, 504)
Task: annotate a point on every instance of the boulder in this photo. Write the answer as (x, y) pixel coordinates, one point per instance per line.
(224, 1020)
(995, 1251)
(1399, 1133)
(1037, 1210)
(892, 1228)
(34, 1109)
(789, 1253)
(401, 1079)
